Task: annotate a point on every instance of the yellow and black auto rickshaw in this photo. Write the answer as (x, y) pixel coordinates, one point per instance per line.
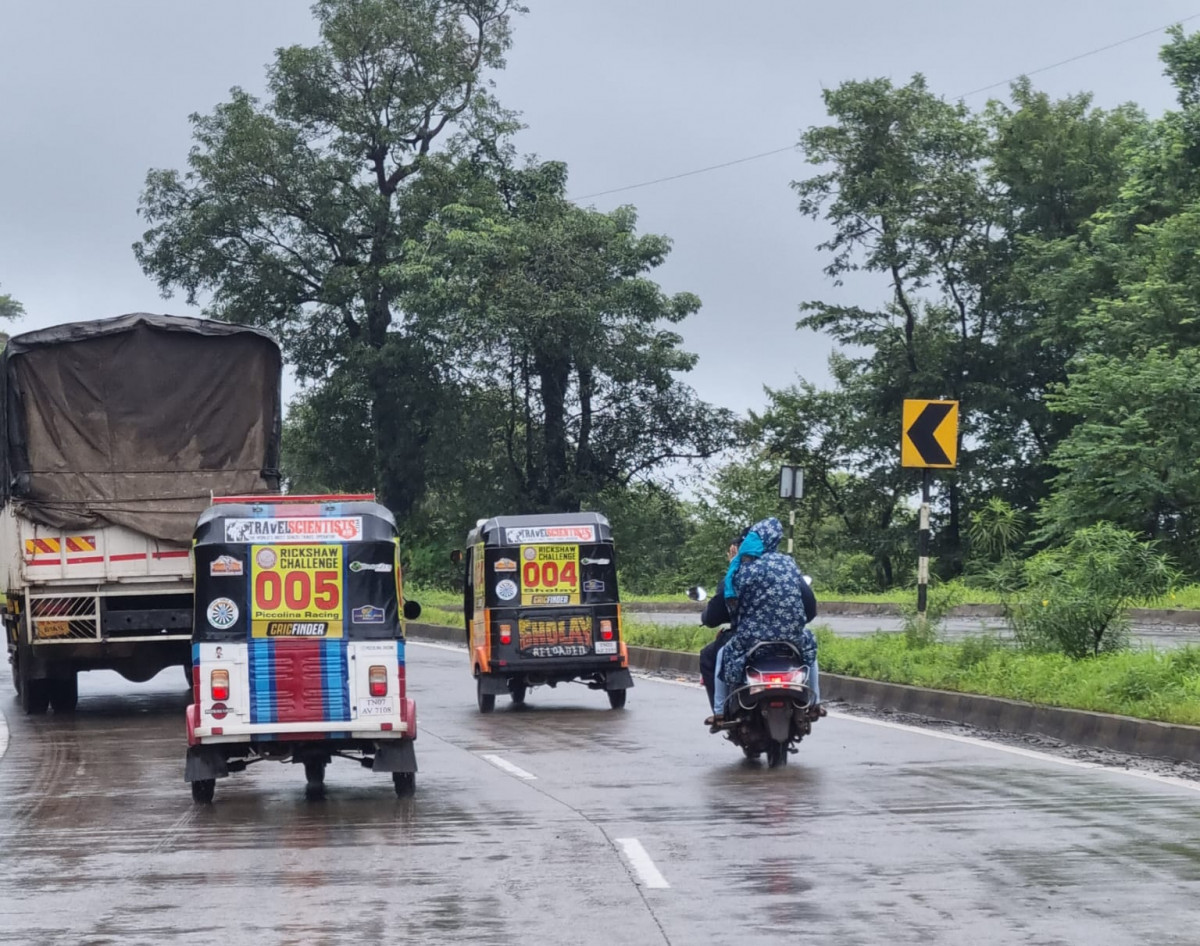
(541, 606)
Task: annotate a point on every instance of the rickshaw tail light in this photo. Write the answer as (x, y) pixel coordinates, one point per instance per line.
(377, 676)
(606, 632)
(218, 683)
(505, 633)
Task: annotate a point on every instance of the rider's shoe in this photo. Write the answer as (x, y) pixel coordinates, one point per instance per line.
(714, 723)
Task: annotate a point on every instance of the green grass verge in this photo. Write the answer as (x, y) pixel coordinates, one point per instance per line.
(1146, 684)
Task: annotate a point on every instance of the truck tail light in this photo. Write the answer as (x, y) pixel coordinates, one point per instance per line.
(218, 684)
(505, 633)
(606, 630)
(377, 676)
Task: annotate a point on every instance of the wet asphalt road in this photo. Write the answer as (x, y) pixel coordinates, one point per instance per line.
(873, 834)
(1160, 636)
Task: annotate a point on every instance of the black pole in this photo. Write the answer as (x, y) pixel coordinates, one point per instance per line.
(923, 547)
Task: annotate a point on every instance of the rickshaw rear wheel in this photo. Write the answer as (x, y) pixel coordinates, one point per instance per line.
(406, 783)
(203, 790)
(486, 701)
(616, 698)
(517, 691)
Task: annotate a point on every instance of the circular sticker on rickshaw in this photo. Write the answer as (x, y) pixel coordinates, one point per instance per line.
(266, 558)
(222, 613)
(506, 590)
(530, 554)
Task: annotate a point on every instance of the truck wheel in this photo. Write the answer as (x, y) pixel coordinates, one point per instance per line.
(486, 701)
(35, 695)
(64, 693)
(16, 673)
(406, 782)
(616, 698)
(203, 790)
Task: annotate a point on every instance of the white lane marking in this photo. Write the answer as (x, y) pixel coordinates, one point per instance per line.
(3, 734)
(508, 767)
(1175, 781)
(647, 874)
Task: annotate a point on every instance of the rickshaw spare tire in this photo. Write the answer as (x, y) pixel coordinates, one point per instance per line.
(616, 698)
(203, 790)
(406, 782)
(486, 701)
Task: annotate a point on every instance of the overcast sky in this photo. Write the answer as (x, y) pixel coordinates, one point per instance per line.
(92, 94)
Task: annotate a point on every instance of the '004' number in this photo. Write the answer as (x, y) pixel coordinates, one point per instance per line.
(549, 574)
(297, 591)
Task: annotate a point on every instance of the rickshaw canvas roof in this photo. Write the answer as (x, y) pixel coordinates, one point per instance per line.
(582, 527)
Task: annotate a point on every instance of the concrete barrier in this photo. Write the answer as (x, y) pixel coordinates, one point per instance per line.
(991, 713)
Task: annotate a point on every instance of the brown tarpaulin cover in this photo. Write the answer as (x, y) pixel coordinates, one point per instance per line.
(138, 420)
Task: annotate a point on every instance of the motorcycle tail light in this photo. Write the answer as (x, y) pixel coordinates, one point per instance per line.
(218, 684)
(505, 633)
(377, 677)
(606, 630)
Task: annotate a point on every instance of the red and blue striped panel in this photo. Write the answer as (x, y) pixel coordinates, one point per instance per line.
(298, 681)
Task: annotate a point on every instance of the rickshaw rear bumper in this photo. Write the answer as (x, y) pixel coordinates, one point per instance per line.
(380, 731)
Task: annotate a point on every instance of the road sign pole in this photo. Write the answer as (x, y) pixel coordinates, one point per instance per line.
(792, 530)
(923, 548)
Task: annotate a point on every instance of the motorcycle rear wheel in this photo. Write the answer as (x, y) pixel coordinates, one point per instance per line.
(777, 754)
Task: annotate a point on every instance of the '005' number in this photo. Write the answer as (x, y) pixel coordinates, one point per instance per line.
(549, 574)
(297, 591)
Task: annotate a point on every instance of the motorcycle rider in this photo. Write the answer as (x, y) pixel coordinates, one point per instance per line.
(772, 601)
(717, 613)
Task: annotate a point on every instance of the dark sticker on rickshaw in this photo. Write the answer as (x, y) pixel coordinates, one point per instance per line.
(537, 637)
(297, 628)
(367, 614)
(593, 586)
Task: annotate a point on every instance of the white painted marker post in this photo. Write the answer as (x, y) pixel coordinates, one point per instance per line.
(647, 874)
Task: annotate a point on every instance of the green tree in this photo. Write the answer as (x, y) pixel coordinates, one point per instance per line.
(552, 307)
(300, 213)
(10, 308)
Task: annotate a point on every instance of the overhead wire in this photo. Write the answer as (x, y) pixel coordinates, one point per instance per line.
(984, 88)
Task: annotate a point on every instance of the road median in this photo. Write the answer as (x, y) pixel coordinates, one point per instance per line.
(1078, 727)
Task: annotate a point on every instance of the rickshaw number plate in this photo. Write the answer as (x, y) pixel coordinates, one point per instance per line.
(606, 647)
(376, 706)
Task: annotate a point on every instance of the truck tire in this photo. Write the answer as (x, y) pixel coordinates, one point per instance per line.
(35, 695)
(16, 674)
(64, 693)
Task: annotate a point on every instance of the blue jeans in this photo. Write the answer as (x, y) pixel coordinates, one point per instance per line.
(721, 688)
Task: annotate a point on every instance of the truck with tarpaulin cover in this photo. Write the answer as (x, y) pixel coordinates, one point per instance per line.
(116, 434)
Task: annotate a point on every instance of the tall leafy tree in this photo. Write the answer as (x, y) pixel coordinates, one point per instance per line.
(554, 305)
(299, 213)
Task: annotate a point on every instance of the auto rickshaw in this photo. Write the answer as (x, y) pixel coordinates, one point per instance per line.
(298, 642)
(541, 606)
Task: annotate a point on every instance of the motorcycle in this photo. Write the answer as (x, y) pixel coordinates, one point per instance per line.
(773, 709)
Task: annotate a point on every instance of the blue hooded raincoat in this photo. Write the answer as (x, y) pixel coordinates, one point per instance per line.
(768, 586)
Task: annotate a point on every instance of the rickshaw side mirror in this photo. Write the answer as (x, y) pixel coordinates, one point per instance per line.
(412, 610)
(456, 556)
